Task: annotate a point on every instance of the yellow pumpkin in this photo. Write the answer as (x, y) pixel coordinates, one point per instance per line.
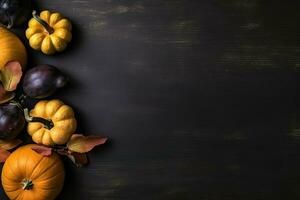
(28, 175)
(11, 48)
(58, 114)
(49, 32)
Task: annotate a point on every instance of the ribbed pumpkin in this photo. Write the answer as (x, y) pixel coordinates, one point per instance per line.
(28, 175)
(50, 32)
(62, 117)
(11, 48)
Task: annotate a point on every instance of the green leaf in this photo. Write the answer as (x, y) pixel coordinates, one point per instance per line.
(11, 75)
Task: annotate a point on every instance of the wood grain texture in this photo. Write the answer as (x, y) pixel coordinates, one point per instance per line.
(200, 98)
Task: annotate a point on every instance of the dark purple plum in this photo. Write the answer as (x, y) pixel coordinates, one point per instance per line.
(42, 81)
(12, 121)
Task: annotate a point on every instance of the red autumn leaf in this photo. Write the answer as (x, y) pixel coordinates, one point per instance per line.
(4, 154)
(10, 144)
(44, 151)
(79, 159)
(11, 75)
(81, 144)
(5, 96)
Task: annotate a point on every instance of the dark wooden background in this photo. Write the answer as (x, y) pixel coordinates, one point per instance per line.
(201, 98)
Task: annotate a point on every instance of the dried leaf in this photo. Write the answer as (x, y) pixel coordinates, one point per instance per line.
(11, 75)
(63, 152)
(72, 158)
(44, 151)
(5, 96)
(10, 144)
(79, 159)
(4, 154)
(81, 144)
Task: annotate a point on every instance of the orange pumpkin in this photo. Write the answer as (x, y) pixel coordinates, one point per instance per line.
(28, 175)
(11, 48)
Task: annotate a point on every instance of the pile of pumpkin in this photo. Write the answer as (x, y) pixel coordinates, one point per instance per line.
(35, 171)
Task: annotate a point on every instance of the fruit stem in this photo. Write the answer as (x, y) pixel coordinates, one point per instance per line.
(10, 21)
(27, 184)
(48, 28)
(48, 124)
(16, 103)
(22, 99)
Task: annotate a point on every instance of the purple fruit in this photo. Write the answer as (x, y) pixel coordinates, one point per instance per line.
(12, 121)
(42, 81)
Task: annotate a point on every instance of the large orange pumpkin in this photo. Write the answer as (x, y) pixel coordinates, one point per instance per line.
(27, 175)
(11, 48)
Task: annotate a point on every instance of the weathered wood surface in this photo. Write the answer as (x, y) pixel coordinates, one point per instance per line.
(200, 98)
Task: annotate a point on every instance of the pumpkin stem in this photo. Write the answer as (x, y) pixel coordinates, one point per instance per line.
(27, 184)
(48, 28)
(48, 124)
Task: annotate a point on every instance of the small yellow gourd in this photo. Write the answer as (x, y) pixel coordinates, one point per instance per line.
(49, 32)
(52, 122)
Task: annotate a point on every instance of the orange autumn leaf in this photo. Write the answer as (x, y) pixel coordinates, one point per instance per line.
(82, 144)
(4, 154)
(10, 144)
(11, 75)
